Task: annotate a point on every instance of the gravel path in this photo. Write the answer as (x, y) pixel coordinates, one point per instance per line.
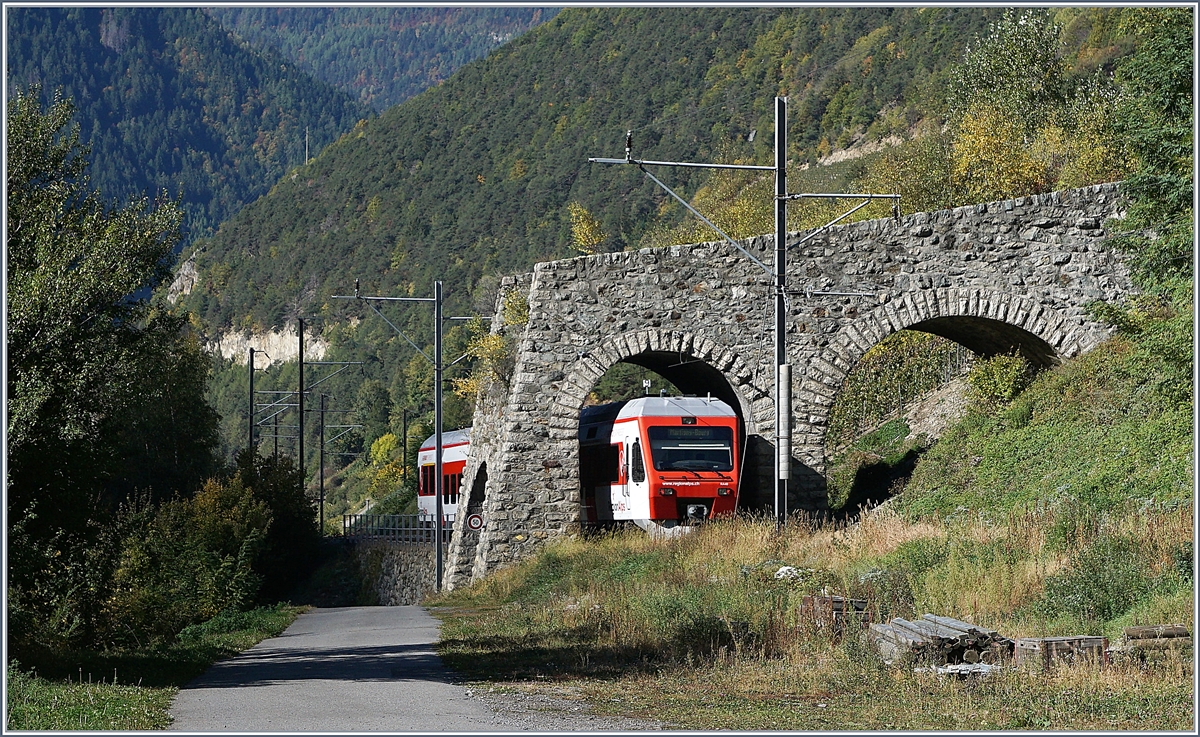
(539, 712)
(355, 669)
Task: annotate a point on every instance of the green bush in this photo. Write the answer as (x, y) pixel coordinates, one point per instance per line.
(995, 382)
(1185, 561)
(291, 544)
(1104, 580)
(190, 561)
(152, 571)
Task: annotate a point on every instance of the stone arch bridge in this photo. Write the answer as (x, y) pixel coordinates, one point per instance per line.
(1016, 274)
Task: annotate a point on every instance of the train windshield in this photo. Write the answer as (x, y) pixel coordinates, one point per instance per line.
(692, 448)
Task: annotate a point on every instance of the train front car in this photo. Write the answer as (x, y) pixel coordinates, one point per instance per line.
(456, 446)
(659, 462)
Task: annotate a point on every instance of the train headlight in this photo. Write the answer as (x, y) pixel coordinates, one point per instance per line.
(724, 491)
(666, 491)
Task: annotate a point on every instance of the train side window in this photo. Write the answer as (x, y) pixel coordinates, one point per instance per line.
(612, 464)
(637, 469)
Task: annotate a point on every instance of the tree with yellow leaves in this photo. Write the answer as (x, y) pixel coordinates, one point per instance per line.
(586, 232)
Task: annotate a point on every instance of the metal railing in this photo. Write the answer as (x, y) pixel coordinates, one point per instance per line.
(408, 528)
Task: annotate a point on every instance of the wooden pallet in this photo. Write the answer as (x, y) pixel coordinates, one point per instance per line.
(1045, 652)
(831, 612)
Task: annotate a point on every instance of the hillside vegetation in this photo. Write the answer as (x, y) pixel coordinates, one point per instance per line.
(474, 177)
(170, 101)
(382, 56)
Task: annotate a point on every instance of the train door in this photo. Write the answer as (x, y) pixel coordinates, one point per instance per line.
(635, 493)
(615, 491)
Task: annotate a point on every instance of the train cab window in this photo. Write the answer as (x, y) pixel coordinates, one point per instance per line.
(426, 488)
(637, 468)
(675, 448)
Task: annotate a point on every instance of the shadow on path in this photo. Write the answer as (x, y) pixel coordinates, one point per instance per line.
(368, 663)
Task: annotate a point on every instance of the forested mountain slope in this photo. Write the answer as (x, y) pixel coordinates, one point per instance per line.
(380, 55)
(169, 100)
(480, 176)
(474, 176)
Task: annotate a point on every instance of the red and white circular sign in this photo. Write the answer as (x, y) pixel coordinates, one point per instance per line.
(475, 522)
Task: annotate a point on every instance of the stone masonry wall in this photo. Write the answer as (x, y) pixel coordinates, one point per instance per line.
(401, 574)
(1016, 274)
(486, 452)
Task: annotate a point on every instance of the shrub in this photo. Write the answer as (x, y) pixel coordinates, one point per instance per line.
(1185, 561)
(996, 381)
(192, 560)
(1104, 580)
(291, 545)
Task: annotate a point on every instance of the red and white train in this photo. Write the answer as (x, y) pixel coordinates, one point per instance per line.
(659, 462)
(456, 446)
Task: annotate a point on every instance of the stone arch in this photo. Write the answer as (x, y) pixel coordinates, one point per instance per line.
(713, 368)
(478, 492)
(986, 322)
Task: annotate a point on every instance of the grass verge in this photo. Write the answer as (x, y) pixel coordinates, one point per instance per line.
(128, 689)
(697, 632)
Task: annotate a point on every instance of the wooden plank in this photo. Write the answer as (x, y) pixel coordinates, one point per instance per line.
(904, 639)
(1157, 631)
(903, 625)
(948, 623)
(961, 625)
(948, 633)
(1159, 643)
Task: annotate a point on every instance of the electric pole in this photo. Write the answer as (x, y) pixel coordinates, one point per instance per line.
(778, 276)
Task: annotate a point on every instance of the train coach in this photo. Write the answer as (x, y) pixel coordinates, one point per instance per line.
(456, 446)
(659, 462)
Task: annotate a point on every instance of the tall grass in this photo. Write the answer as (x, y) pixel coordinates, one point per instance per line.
(707, 609)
